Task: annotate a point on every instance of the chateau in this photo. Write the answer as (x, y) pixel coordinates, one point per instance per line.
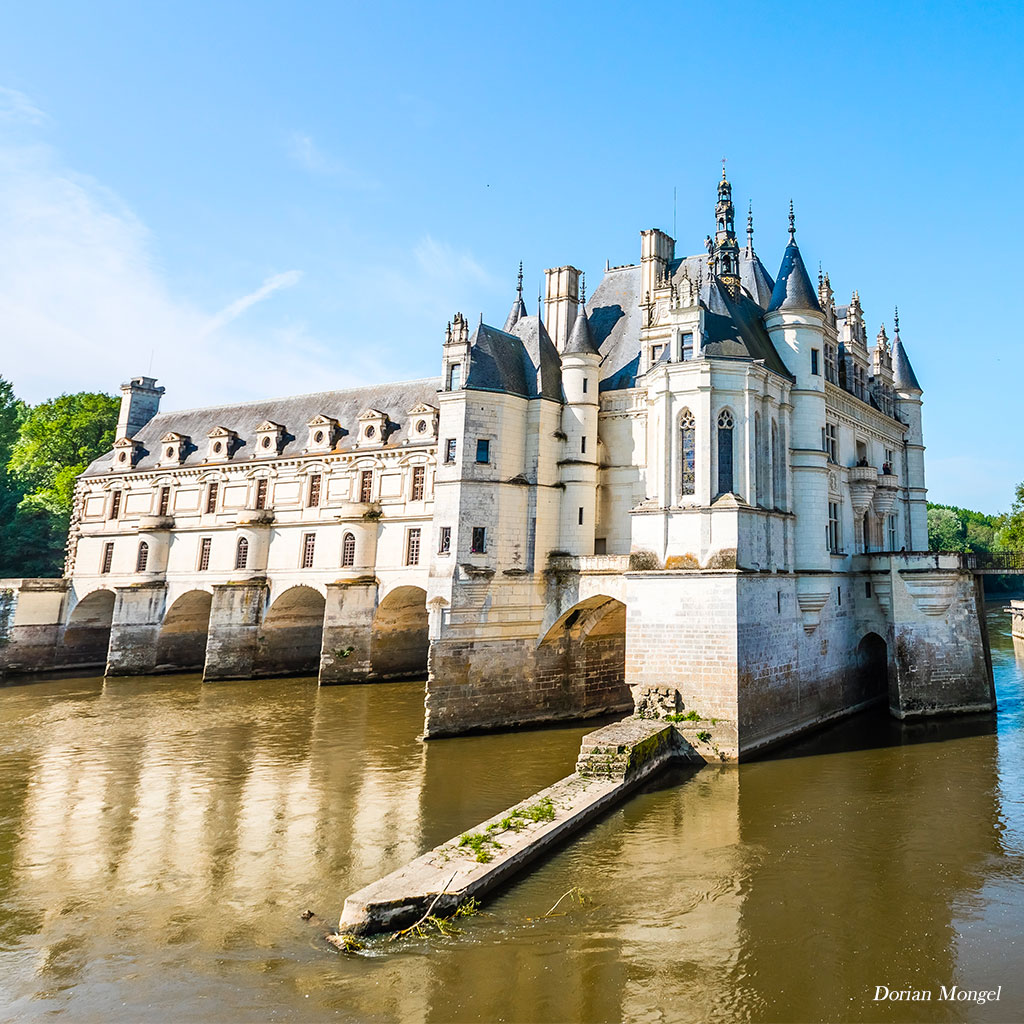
(699, 487)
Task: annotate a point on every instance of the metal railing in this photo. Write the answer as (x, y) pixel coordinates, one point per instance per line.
(1005, 561)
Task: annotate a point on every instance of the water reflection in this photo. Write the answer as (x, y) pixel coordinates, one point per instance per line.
(159, 837)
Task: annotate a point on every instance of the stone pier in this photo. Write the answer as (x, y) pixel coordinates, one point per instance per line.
(348, 630)
(236, 615)
(1017, 619)
(135, 627)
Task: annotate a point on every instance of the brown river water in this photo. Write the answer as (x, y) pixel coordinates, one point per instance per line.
(159, 839)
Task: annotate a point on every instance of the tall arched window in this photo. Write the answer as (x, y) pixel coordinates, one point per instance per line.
(776, 501)
(348, 551)
(725, 452)
(241, 553)
(688, 448)
(142, 558)
(760, 463)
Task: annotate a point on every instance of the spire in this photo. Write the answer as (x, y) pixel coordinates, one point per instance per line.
(793, 288)
(581, 341)
(725, 252)
(518, 309)
(903, 376)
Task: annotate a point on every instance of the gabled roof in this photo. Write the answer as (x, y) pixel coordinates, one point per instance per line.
(522, 362)
(793, 288)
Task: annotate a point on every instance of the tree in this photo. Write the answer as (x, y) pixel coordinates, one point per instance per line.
(56, 442)
(45, 448)
(947, 530)
(1012, 533)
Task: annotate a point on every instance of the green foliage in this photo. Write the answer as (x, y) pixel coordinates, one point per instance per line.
(947, 531)
(1012, 531)
(704, 736)
(43, 449)
(56, 441)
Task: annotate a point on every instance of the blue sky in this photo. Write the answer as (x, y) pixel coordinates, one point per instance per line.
(256, 199)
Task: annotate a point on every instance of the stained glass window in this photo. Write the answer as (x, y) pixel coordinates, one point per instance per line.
(688, 445)
(725, 454)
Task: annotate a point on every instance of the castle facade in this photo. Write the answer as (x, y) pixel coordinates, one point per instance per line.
(702, 489)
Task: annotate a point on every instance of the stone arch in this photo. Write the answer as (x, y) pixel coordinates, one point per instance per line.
(872, 667)
(181, 642)
(87, 633)
(399, 635)
(291, 636)
(586, 646)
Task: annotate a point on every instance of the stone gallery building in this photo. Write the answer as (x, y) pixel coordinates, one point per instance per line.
(702, 482)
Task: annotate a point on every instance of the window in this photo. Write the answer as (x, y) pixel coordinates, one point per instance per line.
(418, 473)
(241, 553)
(656, 351)
(833, 528)
(478, 544)
(261, 492)
(778, 469)
(583, 445)
(142, 557)
(412, 546)
(454, 376)
(725, 453)
(308, 546)
(449, 450)
(483, 451)
(444, 544)
(688, 446)
(581, 515)
(585, 382)
(815, 368)
(108, 556)
(890, 461)
(831, 445)
(115, 505)
(366, 485)
(687, 346)
(211, 497)
(348, 551)
(867, 588)
(165, 501)
(600, 545)
(314, 491)
(204, 553)
(891, 529)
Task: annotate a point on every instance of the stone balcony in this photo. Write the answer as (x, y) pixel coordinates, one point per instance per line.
(255, 517)
(149, 524)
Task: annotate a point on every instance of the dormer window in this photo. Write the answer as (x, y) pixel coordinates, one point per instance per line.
(173, 449)
(422, 422)
(322, 433)
(221, 444)
(269, 439)
(373, 426)
(126, 454)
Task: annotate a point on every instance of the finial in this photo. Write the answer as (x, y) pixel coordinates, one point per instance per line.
(821, 277)
(723, 168)
(896, 321)
(519, 284)
(792, 224)
(750, 226)
(583, 289)
(481, 319)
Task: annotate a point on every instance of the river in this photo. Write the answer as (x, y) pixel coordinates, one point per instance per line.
(159, 839)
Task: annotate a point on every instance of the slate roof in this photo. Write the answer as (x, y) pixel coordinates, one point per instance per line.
(581, 340)
(522, 361)
(516, 313)
(394, 400)
(544, 370)
(903, 376)
(793, 288)
(614, 315)
(753, 276)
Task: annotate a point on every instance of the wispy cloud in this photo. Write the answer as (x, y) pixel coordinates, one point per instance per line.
(235, 309)
(16, 106)
(308, 155)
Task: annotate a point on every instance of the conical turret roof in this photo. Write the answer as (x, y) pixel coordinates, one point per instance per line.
(581, 340)
(793, 288)
(903, 376)
(518, 310)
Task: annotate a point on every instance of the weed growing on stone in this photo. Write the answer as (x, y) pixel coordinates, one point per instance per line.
(477, 842)
(346, 943)
(704, 736)
(515, 821)
(471, 908)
